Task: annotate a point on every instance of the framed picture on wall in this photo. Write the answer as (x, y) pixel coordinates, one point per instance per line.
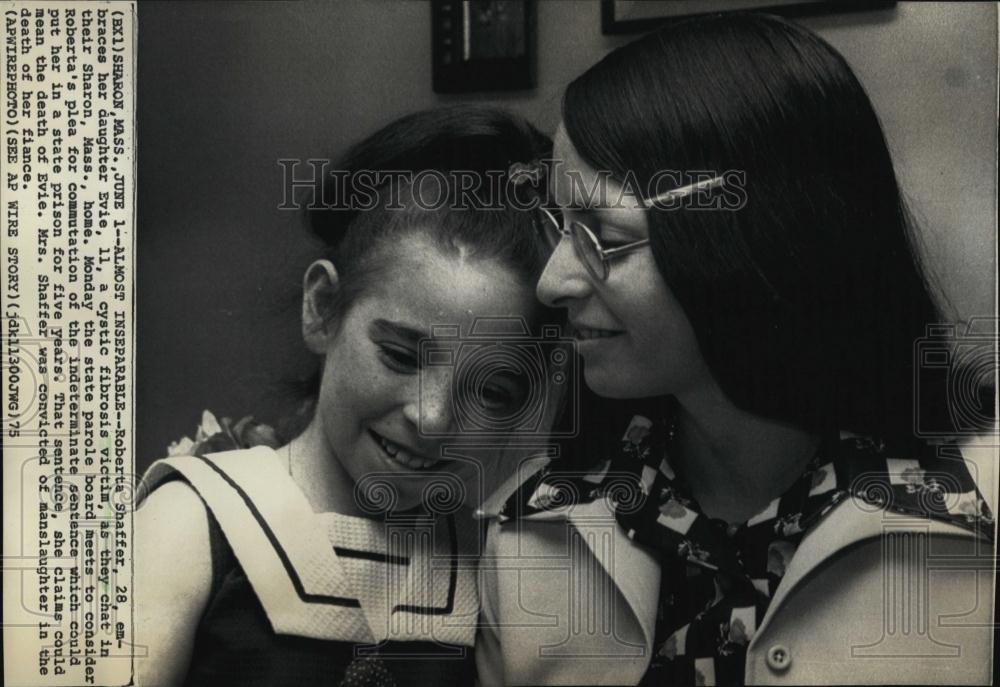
(483, 45)
(633, 16)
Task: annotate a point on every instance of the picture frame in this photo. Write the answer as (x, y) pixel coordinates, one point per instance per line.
(636, 16)
(483, 45)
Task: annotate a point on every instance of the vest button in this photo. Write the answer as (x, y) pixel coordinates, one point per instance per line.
(779, 658)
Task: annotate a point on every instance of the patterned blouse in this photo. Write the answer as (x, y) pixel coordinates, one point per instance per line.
(718, 579)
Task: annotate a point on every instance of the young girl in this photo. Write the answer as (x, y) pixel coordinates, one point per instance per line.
(342, 556)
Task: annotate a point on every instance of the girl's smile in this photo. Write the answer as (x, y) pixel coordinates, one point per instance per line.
(381, 412)
(402, 456)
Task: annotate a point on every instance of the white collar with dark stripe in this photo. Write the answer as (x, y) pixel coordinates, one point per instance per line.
(332, 576)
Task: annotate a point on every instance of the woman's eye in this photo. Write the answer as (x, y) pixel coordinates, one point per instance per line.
(611, 237)
(398, 358)
(609, 244)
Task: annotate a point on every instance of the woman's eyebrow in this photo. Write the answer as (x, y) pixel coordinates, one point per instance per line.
(401, 330)
(626, 219)
(599, 198)
(571, 196)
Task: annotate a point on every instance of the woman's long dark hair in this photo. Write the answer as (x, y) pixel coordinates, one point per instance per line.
(808, 300)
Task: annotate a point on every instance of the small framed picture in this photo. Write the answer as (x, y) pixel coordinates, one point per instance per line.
(633, 16)
(481, 45)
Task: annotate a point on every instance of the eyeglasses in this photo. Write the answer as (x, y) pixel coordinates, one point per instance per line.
(588, 247)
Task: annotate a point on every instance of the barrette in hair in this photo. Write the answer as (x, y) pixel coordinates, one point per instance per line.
(684, 191)
(520, 172)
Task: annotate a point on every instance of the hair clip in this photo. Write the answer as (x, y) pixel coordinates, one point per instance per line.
(684, 191)
(520, 172)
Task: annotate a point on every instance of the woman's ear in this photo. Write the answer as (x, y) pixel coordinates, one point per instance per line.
(319, 291)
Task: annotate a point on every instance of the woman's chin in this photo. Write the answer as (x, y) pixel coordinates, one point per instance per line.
(611, 381)
(606, 382)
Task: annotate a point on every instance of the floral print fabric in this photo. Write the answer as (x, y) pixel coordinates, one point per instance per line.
(718, 579)
(214, 435)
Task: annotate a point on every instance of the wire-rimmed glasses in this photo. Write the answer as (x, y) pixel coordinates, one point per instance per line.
(587, 245)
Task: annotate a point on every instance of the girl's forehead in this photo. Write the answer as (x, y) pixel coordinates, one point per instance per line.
(426, 286)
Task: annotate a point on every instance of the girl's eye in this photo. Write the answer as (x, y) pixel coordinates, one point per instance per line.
(502, 394)
(495, 398)
(398, 358)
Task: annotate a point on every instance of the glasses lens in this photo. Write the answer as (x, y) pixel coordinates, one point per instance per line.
(589, 250)
(550, 226)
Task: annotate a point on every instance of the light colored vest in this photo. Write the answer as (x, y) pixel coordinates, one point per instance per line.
(870, 597)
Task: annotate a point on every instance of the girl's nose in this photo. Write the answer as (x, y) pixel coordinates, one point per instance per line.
(431, 409)
(564, 278)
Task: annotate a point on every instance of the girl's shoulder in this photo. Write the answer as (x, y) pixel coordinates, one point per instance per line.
(173, 515)
(174, 521)
(173, 481)
(172, 579)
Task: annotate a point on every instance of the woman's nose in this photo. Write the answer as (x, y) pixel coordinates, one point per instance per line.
(431, 408)
(564, 277)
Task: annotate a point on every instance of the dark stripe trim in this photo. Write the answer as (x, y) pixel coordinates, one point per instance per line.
(452, 580)
(372, 556)
(285, 561)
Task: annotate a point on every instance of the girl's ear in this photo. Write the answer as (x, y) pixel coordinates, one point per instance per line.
(319, 290)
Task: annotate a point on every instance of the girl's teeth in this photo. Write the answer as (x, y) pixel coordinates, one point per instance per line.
(400, 455)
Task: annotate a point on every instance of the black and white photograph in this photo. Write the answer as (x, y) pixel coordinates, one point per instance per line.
(500, 342)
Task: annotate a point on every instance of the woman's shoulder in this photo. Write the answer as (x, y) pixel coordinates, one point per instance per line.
(901, 568)
(870, 585)
(885, 499)
(855, 523)
(921, 485)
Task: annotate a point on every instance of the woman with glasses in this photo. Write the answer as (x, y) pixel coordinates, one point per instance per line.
(730, 245)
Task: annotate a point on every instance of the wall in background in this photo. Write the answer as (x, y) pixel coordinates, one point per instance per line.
(226, 89)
